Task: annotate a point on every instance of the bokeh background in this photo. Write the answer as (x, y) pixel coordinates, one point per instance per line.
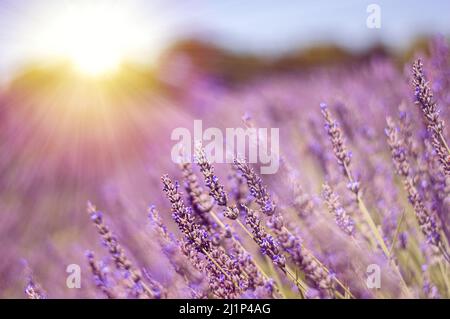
(66, 138)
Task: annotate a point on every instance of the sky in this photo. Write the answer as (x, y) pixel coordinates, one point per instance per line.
(255, 26)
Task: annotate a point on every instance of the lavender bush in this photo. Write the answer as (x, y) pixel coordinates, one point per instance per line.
(364, 179)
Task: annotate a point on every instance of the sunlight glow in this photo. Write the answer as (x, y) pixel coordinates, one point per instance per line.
(95, 38)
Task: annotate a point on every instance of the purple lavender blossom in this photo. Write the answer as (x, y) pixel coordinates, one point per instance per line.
(256, 187)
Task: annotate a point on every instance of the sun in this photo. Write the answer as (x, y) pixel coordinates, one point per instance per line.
(95, 37)
(95, 41)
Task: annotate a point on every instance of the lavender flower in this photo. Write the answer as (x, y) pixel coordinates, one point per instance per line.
(399, 157)
(265, 241)
(429, 289)
(343, 220)
(184, 218)
(337, 140)
(248, 266)
(424, 98)
(99, 276)
(286, 240)
(256, 187)
(316, 274)
(220, 231)
(120, 259)
(343, 158)
(222, 270)
(200, 201)
(175, 254)
(33, 290)
(212, 181)
(239, 187)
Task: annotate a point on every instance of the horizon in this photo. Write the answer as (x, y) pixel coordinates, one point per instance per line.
(233, 26)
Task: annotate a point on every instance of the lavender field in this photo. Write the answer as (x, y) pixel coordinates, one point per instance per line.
(92, 204)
